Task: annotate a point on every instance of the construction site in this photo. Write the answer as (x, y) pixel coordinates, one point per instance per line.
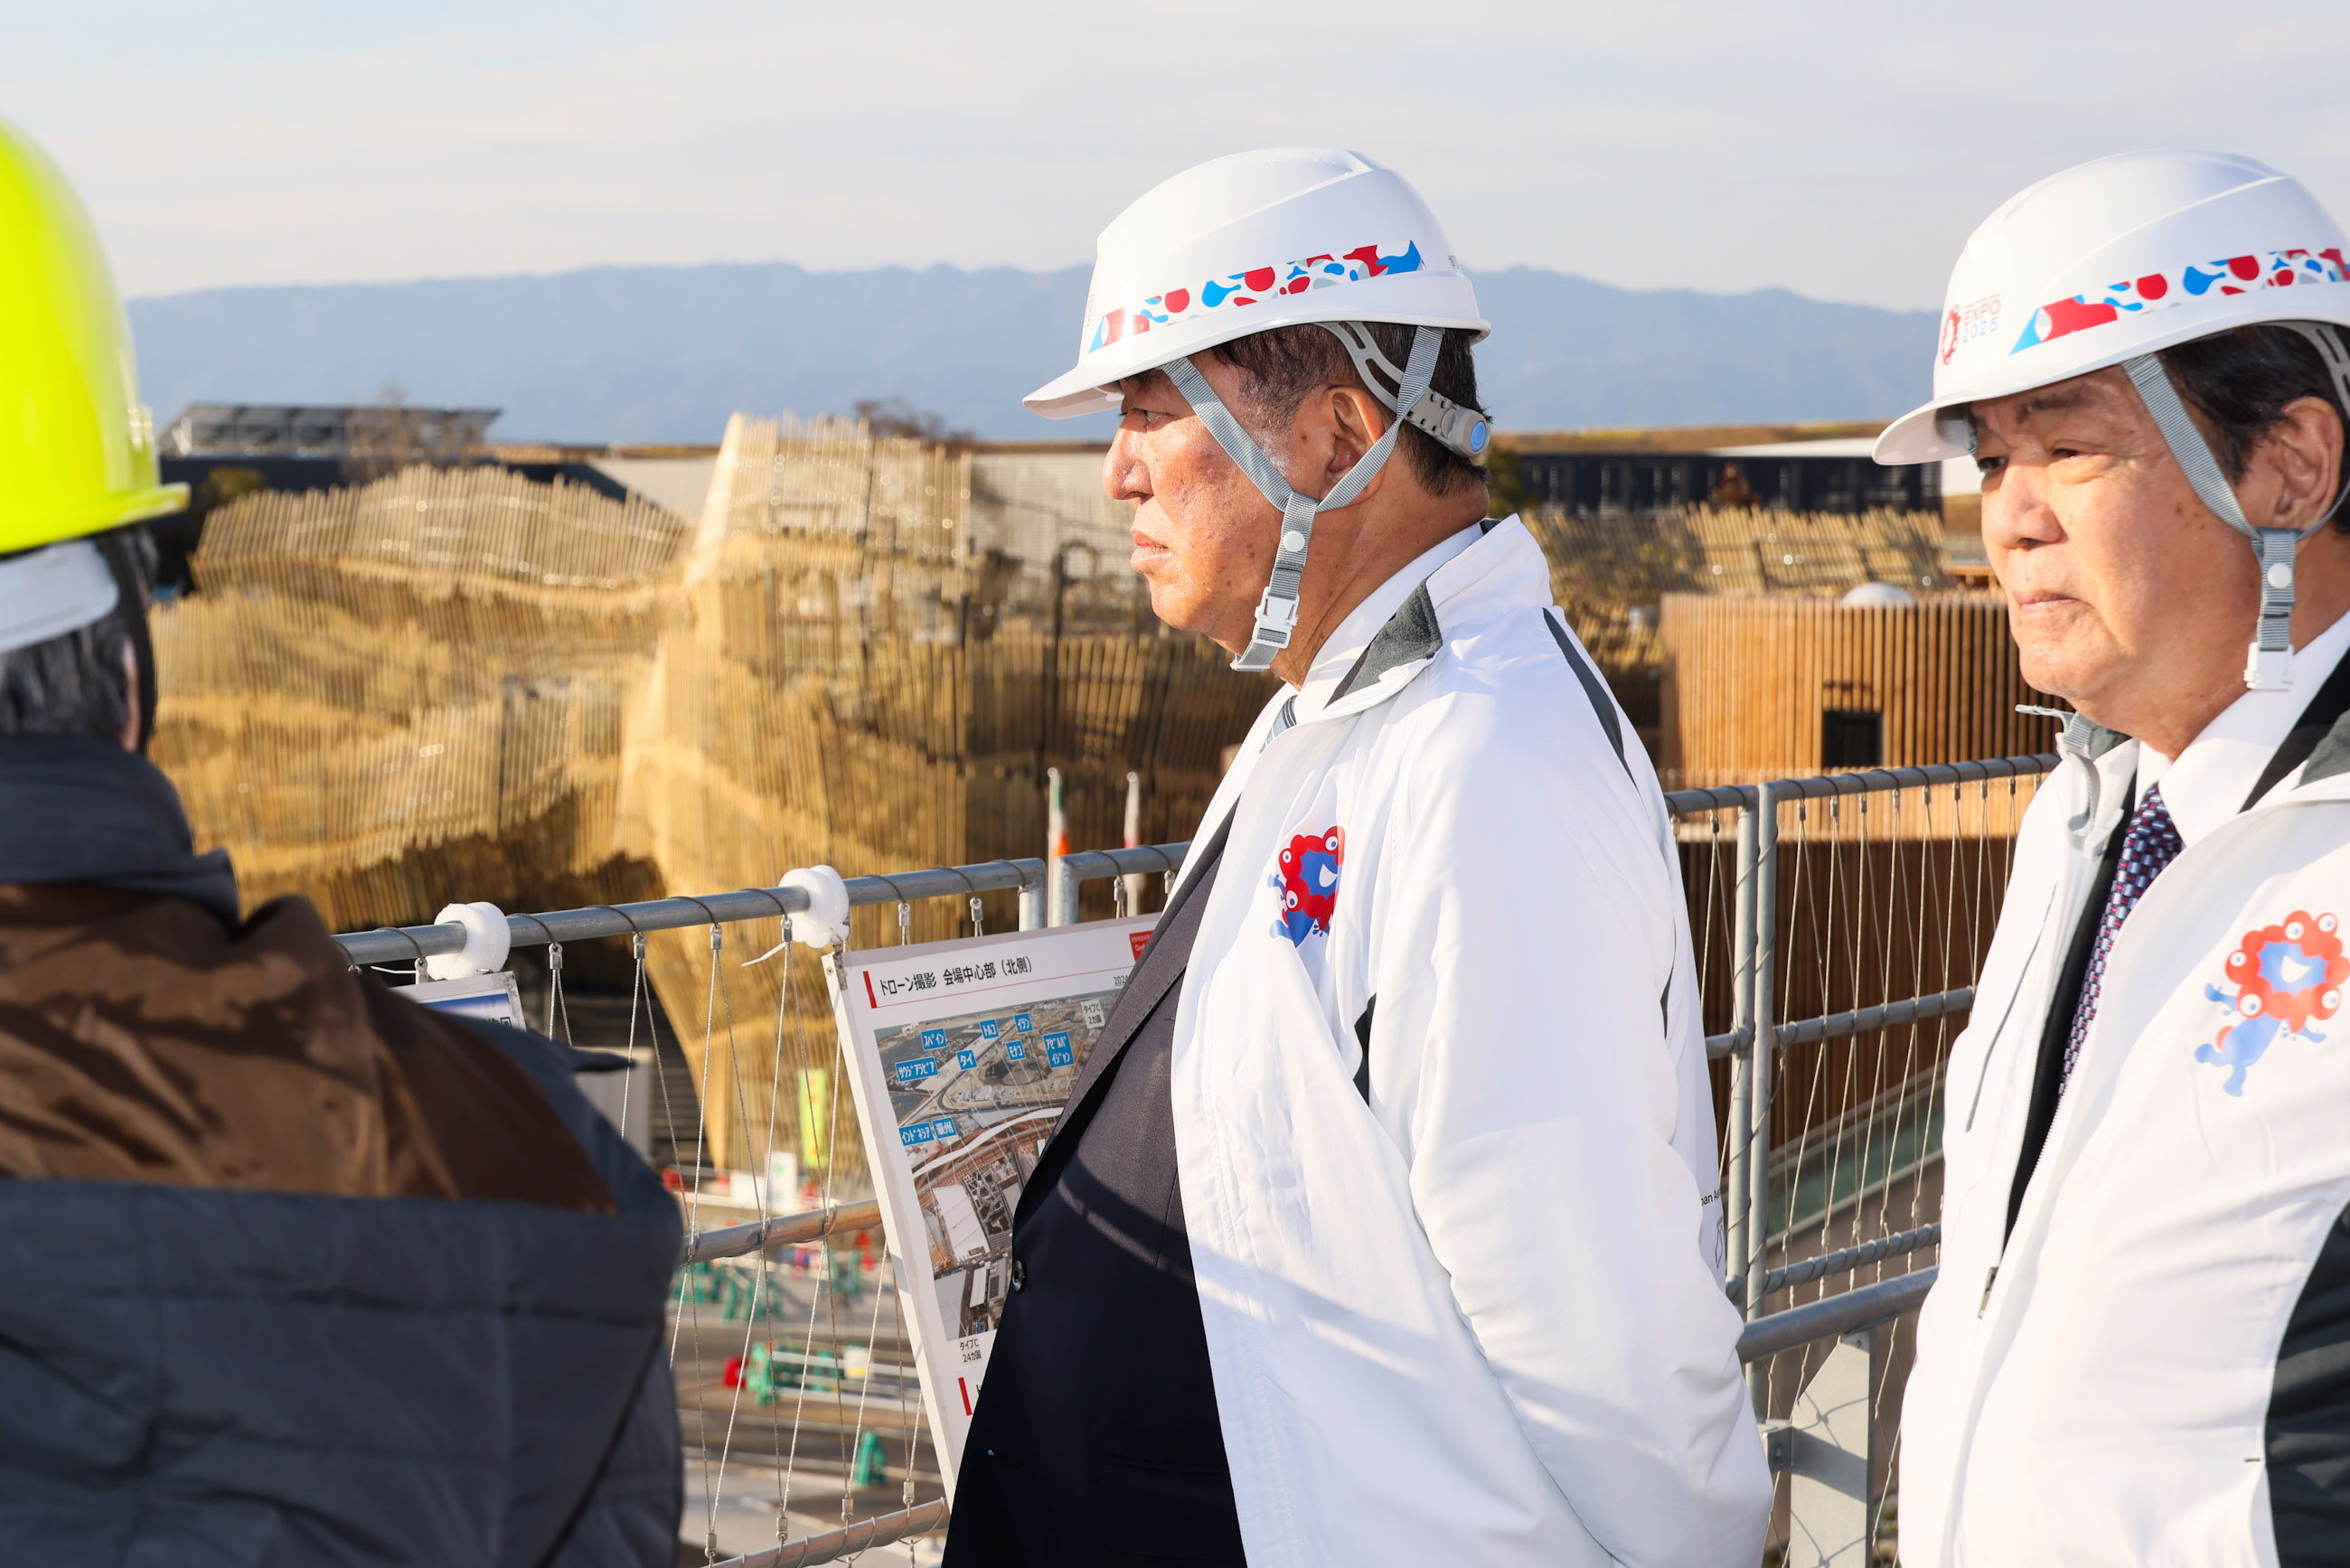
(870, 651)
(555, 679)
(793, 788)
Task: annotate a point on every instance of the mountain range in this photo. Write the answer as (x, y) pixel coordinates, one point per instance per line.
(664, 354)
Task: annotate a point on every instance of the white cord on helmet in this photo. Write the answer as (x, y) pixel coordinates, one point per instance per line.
(1276, 609)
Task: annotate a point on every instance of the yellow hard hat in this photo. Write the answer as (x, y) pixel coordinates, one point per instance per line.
(77, 448)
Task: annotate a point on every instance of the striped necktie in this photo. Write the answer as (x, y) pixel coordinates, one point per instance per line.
(2151, 843)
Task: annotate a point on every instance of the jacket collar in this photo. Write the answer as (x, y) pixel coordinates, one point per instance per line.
(1455, 589)
(2106, 762)
(74, 808)
(2326, 775)
(2258, 740)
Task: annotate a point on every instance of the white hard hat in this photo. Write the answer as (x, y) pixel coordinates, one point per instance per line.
(2109, 263)
(1284, 237)
(1249, 243)
(2116, 258)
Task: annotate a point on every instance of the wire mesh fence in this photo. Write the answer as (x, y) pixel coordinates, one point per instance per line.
(1839, 923)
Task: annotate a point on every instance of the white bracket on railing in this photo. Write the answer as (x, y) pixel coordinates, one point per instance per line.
(825, 922)
(487, 940)
(1827, 1448)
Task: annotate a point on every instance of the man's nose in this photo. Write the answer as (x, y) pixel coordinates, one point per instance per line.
(2016, 511)
(1124, 476)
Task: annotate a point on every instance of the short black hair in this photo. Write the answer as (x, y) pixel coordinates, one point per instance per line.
(75, 683)
(1281, 367)
(2241, 380)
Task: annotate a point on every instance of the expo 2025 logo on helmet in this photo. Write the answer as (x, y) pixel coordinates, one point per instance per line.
(2287, 976)
(1306, 882)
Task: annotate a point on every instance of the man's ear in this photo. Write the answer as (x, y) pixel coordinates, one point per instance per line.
(2304, 447)
(1356, 423)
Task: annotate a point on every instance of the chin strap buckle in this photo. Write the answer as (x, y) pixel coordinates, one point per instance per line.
(2268, 668)
(1276, 617)
(2268, 663)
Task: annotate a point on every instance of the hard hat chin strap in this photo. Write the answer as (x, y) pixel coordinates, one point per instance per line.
(2268, 663)
(1460, 426)
(1276, 610)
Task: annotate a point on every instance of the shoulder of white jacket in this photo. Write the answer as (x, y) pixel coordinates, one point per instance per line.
(1505, 708)
(1503, 572)
(1500, 574)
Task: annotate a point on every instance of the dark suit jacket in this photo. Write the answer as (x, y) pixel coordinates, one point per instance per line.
(1095, 1439)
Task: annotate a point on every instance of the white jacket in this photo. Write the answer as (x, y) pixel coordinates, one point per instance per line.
(2095, 1389)
(1467, 1308)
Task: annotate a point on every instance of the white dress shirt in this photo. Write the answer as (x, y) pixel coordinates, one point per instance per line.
(2206, 784)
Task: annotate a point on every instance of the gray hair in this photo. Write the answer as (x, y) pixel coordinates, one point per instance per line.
(76, 684)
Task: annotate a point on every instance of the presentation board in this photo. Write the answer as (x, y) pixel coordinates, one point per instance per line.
(960, 1054)
(490, 997)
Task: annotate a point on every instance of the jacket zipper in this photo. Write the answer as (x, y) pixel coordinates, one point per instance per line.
(1992, 1278)
(2040, 936)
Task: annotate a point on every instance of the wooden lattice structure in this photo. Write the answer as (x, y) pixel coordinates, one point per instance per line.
(458, 684)
(382, 696)
(1611, 571)
(1774, 686)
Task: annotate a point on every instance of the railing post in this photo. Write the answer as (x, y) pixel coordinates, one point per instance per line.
(1765, 1005)
(1058, 898)
(1031, 898)
(1734, 1200)
(1134, 840)
(1828, 1448)
(1067, 885)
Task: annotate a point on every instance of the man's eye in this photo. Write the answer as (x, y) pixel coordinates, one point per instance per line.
(1987, 466)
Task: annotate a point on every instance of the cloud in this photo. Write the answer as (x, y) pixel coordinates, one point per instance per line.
(1840, 150)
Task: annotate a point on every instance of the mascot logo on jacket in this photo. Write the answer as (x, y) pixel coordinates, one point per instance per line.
(2287, 976)
(1306, 883)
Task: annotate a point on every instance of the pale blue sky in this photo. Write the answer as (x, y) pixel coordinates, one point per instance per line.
(1843, 151)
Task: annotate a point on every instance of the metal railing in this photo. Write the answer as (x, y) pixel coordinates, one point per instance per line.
(1755, 1037)
(1826, 1418)
(849, 1538)
(1782, 1331)
(1753, 1045)
(399, 944)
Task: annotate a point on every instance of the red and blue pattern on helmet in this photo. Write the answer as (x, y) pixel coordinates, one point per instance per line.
(1305, 880)
(1254, 287)
(2155, 291)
